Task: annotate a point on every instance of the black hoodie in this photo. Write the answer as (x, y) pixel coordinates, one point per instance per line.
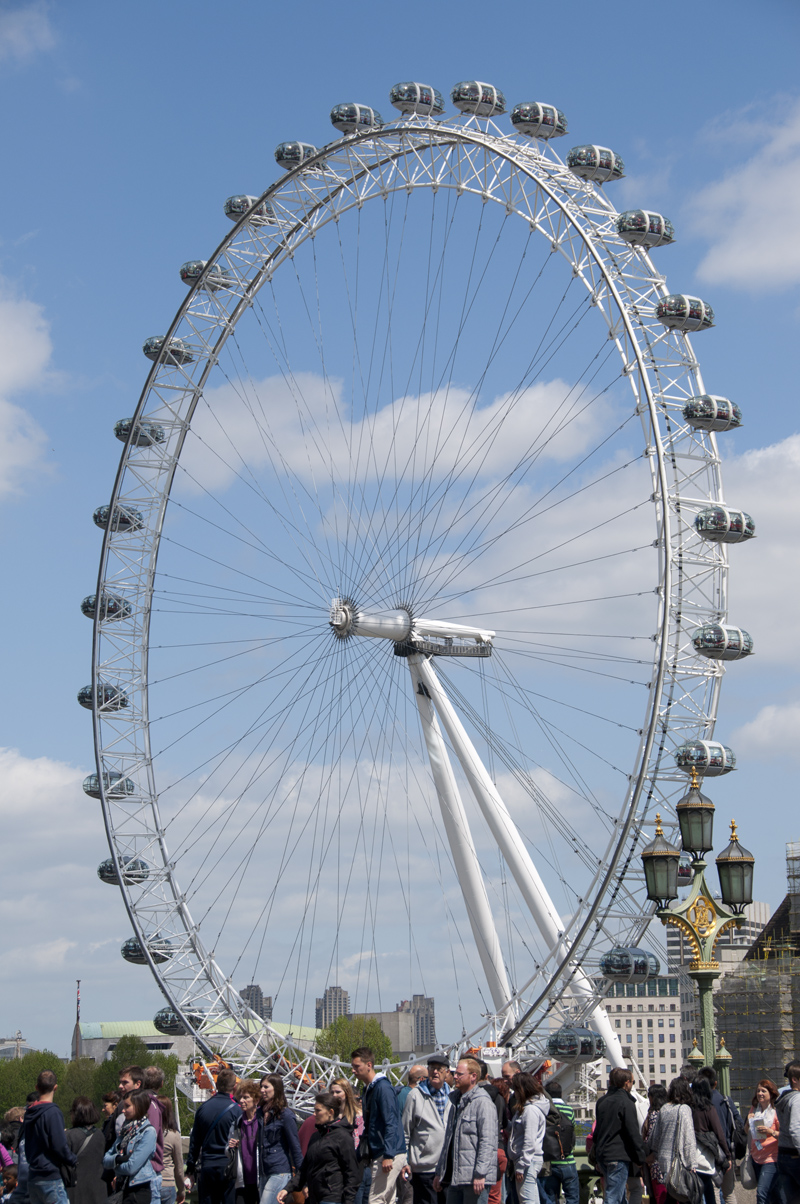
(46, 1141)
(330, 1169)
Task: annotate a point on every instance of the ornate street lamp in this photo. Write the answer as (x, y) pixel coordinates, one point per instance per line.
(735, 869)
(696, 819)
(700, 917)
(660, 860)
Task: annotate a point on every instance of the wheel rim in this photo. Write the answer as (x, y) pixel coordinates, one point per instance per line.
(414, 158)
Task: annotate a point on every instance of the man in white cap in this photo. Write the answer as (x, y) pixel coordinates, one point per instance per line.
(424, 1124)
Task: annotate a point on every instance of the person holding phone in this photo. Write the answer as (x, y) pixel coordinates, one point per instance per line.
(763, 1128)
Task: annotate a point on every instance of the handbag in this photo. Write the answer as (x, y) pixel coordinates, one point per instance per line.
(684, 1184)
(747, 1174)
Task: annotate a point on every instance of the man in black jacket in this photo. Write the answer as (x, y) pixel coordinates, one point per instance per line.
(46, 1146)
(208, 1144)
(617, 1141)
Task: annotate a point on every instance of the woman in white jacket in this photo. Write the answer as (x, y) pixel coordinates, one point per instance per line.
(531, 1106)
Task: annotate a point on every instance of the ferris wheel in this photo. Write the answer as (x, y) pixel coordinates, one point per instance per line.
(411, 609)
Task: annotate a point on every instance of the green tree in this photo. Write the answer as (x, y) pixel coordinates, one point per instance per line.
(348, 1032)
(18, 1076)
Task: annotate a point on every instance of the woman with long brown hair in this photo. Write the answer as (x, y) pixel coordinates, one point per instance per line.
(280, 1149)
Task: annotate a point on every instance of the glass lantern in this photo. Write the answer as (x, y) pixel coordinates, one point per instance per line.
(696, 818)
(660, 860)
(735, 868)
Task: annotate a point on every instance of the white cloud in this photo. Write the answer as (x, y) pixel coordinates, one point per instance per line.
(25, 350)
(25, 32)
(765, 573)
(750, 216)
(775, 732)
(62, 922)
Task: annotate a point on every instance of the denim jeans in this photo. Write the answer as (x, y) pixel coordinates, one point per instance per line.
(528, 1189)
(155, 1189)
(465, 1195)
(615, 1178)
(169, 1194)
(765, 1173)
(563, 1177)
(788, 1185)
(46, 1191)
(362, 1191)
(272, 1185)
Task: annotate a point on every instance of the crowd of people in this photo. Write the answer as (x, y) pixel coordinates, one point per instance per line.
(685, 1148)
(448, 1136)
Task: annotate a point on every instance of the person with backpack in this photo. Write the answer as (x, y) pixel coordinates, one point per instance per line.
(732, 1126)
(617, 1143)
(208, 1144)
(525, 1145)
(557, 1147)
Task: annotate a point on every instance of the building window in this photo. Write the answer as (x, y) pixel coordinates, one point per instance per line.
(672, 1038)
(674, 1069)
(671, 1023)
(663, 1070)
(638, 1024)
(618, 1024)
(628, 1023)
(649, 1023)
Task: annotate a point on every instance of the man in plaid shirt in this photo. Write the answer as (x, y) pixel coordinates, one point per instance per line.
(424, 1124)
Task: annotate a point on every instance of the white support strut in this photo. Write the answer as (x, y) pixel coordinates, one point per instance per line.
(465, 858)
(513, 849)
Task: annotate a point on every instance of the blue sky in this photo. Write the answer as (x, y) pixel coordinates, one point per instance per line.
(123, 130)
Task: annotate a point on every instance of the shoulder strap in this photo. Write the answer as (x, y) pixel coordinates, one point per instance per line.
(86, 1141)
(213, 1128)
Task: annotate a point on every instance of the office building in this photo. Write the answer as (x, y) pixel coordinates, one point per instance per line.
(334, 1003)
(255, 998)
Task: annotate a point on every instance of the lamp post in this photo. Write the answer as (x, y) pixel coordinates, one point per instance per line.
(700, 917)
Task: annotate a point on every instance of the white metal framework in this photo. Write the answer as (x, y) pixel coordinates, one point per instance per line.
(384, 392)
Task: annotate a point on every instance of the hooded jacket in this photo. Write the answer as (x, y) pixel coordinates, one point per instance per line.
(45, 1141)
(527, 1135)
(383, 1127)
(472, 1136)
(330, 1169)
(787, 1106)
(424, 1128)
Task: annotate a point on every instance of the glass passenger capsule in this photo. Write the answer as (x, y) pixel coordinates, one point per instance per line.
(161, 950)
(720, 524)
(680, 312)
(576, 1045)
(484, 100)
(134, 871)
(536, 120)
(294, 154)
(125, 518)
(629, 965)
(175, 354)
(709, 413)
(145, 433)
(355, 119)
(217, 277)
(708, 757)
(596, 163)
(115, 785)
(237, 206)
(170, 1024)
(112, 606)
(685, 871)
(109, 698)
(722, 643)
(417, 98)
(642, 228)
